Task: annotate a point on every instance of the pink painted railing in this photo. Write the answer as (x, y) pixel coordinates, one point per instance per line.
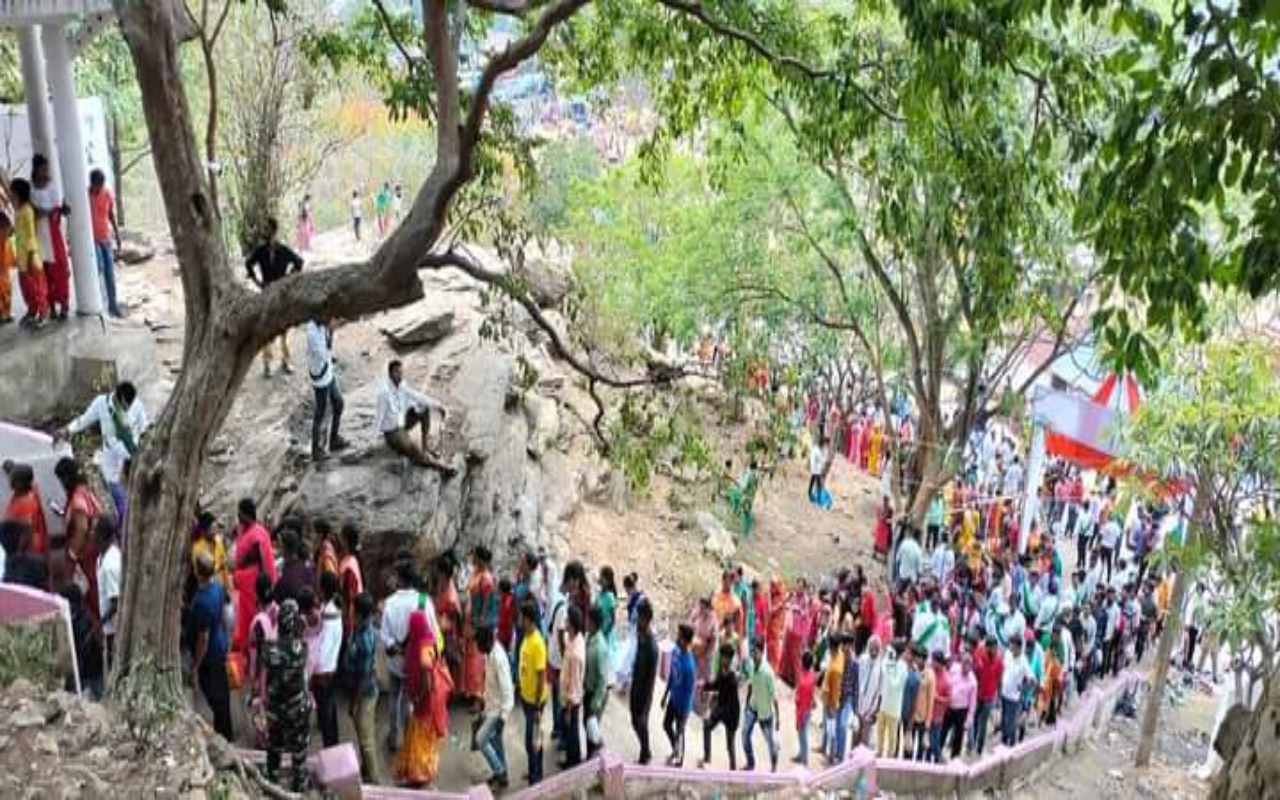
(1006, 765)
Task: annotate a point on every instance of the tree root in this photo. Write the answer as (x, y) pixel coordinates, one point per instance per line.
(249, 772)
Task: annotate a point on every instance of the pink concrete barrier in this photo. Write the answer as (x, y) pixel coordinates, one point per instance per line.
(862, 774)
(337, 769)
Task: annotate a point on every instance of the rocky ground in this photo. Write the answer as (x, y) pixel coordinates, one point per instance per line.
(1104, 768)
(58, 746)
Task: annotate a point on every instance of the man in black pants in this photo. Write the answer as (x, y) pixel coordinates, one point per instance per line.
(726, 709)
(643, 676)
(324, 384)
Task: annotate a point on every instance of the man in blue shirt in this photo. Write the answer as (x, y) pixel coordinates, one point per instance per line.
(209, 656)
(678, 699)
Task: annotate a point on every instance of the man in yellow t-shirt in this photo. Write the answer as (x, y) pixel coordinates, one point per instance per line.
(207, 539)
(532, 668)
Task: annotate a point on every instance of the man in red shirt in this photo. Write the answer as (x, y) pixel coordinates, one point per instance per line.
(988, 666)
(102, 212)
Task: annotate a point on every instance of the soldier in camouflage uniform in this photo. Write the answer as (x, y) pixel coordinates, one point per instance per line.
(288, 703)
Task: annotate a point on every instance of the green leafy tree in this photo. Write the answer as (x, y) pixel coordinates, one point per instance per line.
(1214, 428)
(929, 179)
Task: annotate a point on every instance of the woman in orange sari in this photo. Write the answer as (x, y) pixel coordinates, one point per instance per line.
(80, 563)
(26, 506)
(449, 615)
(873, 457)
(777, 623)
(482, 612)
(427, 686)
(326, 549)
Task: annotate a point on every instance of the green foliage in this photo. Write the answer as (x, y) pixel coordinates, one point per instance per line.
(1215, 425)
(30, 652)
(561, 167)
(148, 701)
(654, 432)
(1184, 193)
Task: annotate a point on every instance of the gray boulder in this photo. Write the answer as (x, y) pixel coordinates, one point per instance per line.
(422, 323)
(550, 281)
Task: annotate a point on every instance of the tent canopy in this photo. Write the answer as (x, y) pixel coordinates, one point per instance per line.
(1082, 430)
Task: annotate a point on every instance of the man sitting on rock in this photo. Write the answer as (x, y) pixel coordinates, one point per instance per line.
(400, 410)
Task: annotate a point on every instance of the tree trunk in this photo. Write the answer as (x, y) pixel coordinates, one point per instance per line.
(117, 167)
(164, 487)
(1254, 769)
(1168, 638)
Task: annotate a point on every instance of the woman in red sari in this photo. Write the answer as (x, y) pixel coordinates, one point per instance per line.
(482, 612)
(80, 563)
(777, 622)
(26, 506)
(253, 554)
(799, 626)
(884, 529)
(427, 686)
(864, 445)
(351, 576)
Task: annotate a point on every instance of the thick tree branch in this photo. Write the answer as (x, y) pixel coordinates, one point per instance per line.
(752, 41)
(510, 8)
(388, 25)
(390, 277)
(457, 258)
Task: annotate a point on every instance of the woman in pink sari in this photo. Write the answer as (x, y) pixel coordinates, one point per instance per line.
(253, 553)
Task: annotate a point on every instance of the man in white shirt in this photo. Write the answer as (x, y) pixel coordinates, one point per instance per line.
(499, 699)
(817, 462)
(1108, 540)
(1013, 479)
(1013, 680)
(400, 410)
(909, 557)
(328, 644)
(122, 421)
(395, 634)
(944, 561)
(324, 383)
(110, 578)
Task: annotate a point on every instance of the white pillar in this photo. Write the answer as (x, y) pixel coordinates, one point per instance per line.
(1035, 474)
(37, 94)
(75, 177)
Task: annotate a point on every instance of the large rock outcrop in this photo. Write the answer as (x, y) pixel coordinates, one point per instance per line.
(518, 482)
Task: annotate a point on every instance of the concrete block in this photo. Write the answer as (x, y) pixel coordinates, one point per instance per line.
(916, 778)
(985, 774)
(1029, 756)
(52, 374)
(337, 769)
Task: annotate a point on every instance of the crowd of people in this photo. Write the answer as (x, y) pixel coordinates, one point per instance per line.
(33, 242)
(972, 638)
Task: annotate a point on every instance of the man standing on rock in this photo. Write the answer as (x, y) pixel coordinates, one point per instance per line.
(274, 260)
(324, 383)
(400, 410)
